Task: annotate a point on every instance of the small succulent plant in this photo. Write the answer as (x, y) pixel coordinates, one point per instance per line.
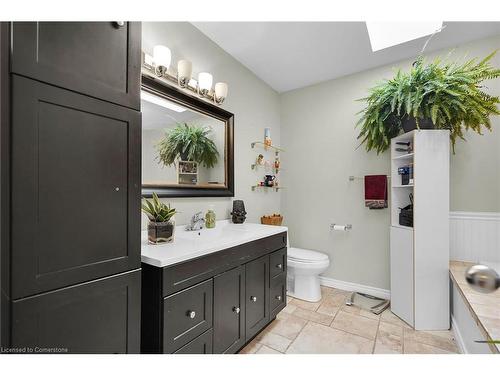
(156, 210)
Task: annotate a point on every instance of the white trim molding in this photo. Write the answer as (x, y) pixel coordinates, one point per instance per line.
(494, 216)
(353, 287)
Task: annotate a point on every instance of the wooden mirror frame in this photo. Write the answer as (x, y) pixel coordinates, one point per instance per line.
(162, 89)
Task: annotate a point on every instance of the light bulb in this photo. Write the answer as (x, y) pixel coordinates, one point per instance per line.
(162, 57)
(204, 83)
(184, 71)
(220, 92)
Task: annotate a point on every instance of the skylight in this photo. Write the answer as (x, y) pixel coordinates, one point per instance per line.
(387, 34)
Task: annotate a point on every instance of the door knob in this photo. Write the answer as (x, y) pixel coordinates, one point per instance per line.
(482, 278)
(236, 310)
(253, 299)
(278, 298)
(191, 314)
(280, 266)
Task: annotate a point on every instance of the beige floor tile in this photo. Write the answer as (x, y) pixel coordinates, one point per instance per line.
(289, 327)
(355, 324)
(331, 303)
(313, 306)
(318, 339)
(389, 339)
(273, 340)
(440, 339)
(415, 347)
(325, 290)
(251, 347)
(267, 350)
(289, 308)
(389, 317)
(313, 316)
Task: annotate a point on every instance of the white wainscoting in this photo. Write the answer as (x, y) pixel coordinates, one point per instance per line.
(475, 236)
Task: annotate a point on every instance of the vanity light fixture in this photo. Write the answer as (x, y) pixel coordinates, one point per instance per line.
(204, 83)
(220, 92)
(159, 64)
(161, 57)
(184, 72)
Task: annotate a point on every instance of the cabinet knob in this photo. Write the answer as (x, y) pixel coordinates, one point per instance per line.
(118, 24)
(117, 188)
(236, 310)
(191, 314)
(253, 299)
(278, 298)
(280, 266)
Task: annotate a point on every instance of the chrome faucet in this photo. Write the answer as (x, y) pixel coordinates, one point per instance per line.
(197, 222)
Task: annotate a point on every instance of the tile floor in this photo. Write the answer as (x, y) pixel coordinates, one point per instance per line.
(331, 327)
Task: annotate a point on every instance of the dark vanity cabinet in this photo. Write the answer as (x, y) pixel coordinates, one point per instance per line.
(215, 303)
(74, 131)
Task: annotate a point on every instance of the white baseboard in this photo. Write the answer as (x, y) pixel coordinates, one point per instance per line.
(353, 287)
(458, 336)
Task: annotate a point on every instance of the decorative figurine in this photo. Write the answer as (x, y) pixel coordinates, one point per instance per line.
(239, 214)
(260, 160)
(269, 180)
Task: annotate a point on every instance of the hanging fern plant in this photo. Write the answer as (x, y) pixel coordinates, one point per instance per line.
(447, 94)
(188, 142)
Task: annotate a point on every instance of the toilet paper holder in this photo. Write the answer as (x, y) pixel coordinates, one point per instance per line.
(341, 227)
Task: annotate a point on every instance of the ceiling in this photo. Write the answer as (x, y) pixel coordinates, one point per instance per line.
(290, 55)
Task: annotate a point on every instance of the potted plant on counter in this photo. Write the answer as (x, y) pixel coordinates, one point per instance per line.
(189, 143)
(437, 95)
(161, 226)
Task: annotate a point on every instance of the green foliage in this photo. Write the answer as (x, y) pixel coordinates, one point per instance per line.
(191, 141)
(157, 211)
(448, 93)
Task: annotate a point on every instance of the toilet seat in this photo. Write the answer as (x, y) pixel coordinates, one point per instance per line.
(306, 256)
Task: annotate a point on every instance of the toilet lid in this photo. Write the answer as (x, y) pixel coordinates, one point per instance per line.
(305, 256)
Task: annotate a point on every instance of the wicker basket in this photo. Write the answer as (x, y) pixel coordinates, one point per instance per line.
(274, 219)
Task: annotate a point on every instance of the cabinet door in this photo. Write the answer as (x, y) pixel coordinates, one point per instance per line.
(75, 188)
(229, 311)
(186, 315)
(402, 290)
(200, 345)
(100, 59)
(101, 316)
(257, 295)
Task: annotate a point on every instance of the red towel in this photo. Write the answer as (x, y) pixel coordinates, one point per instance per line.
(376, 191)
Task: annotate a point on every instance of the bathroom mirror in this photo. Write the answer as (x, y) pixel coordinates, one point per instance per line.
(187, 144)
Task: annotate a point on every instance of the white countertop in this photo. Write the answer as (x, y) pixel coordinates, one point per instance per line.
(192, 244)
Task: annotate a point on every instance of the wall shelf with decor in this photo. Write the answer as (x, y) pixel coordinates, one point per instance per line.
(271, 168)
(419, 236)
(275, 188)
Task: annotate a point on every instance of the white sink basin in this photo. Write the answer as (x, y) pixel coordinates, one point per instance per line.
(191, 244)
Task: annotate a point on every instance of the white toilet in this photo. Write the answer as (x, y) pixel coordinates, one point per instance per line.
(304, 268)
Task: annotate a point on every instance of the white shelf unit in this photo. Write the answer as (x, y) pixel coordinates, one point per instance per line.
(420, 255)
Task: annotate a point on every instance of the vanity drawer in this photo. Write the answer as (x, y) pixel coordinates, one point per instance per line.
(200, 345)
(183, 275)
(277, 264)
(186, 315)
(277, 295)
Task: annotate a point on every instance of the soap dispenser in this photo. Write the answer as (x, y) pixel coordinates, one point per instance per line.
(210, 217)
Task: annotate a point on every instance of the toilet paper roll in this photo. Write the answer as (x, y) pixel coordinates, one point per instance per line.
(340, 227)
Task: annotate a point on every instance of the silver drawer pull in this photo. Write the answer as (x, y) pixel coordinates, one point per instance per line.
(278, 298)
(236, 310)
(191, 314)
(253, 298)
(280, 266)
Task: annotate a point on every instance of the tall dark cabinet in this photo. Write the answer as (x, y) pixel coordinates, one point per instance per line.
(70, 196)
